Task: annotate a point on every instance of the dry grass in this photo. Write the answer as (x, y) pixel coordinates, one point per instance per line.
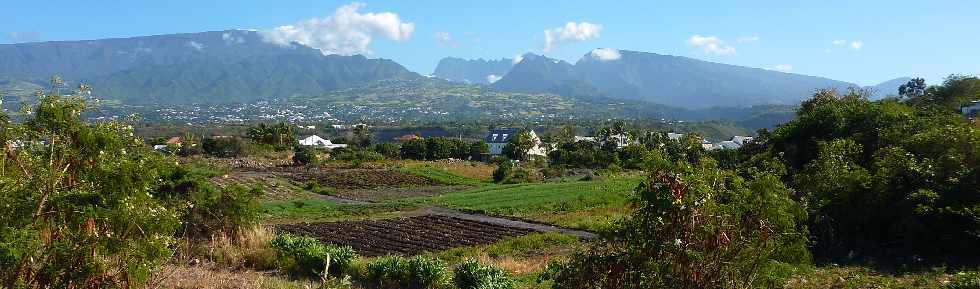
(468, 169)
(865, 278)
(250, 249)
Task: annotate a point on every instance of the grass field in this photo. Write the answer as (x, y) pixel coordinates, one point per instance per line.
(459, 173)
(577, 204)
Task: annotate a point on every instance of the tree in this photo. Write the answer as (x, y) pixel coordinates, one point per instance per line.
(477, 149)
(80, 200)
(695, 227)
(414, 149)
(362, 136)
(914, 88)
(280, 135)
(519, 145)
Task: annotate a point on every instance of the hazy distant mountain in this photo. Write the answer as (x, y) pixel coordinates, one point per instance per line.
(472, 71)
(207, 67)
(671, 80)
(887, 88)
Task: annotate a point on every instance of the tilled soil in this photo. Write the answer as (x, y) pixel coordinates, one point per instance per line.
(406, 236)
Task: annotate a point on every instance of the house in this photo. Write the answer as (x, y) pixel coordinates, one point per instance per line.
(674, 136)
(971, 110)
(174, 141)
(407, 137)
(585, 138)
(498, 138)
(727, 145)
(741, 140)
(317, 141)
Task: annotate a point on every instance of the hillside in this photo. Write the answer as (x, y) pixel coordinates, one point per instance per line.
(209, 67)
(887, 88)
(477, 71)
(438, 99)
(670, 80)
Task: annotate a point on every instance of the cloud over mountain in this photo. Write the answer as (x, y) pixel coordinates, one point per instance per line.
(571, 32)
(346, 32)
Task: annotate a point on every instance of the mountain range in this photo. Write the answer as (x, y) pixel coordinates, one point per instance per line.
(239, 66)
(670, 80)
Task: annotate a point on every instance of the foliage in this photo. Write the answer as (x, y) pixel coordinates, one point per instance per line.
(208, 211)
(882, 179)
(355, 155)
(956, 90)
(472, 275)
(305, 155)
(965, 280)
(695, 227)
(79, 200)
(388, 150)
(307, 256)
(503, 171)
(224, 147)
(280, 135)
(399, 272)
(478, 149)
(519, 145)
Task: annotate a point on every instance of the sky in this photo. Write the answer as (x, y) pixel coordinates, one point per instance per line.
(864, 42)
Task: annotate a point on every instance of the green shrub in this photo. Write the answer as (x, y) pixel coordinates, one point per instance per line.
(388, 150)
(965, 280)
(399, 272)
(472, 275)
(307, 256)
(356, 156)
(80, 201)
(502, 172)
(304, 155)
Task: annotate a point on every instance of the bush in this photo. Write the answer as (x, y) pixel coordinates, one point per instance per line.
(304, 155)
(398, 272)
(224, 147)
(80, 202)
(695, 227)
(388, 150)
(356, 156)
(307, 256)
(471, 275)
(964, 280)
(209, 211)
(502, 172)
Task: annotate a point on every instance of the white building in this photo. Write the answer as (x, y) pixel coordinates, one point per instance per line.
(317, 141)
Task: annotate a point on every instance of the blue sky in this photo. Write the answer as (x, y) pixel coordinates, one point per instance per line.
(865, 42)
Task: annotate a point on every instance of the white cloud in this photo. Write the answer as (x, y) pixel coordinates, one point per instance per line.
(606, 54)
(571, 32)
(493, 78)
(345, 32)
(747, 39)
(518, 58)
(196, 45)
(782, 67)
(231, 38)
(711, 45)
(857, 44)
(839, 42)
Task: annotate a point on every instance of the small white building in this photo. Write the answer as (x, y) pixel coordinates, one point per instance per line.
(674, 136)
(497, 139)
(317, 141)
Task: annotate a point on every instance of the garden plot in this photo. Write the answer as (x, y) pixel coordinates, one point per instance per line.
(406, 236)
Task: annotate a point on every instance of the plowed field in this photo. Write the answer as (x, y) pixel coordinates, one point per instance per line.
(405, 236)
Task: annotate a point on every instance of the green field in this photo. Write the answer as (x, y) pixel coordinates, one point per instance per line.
(577, 204)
